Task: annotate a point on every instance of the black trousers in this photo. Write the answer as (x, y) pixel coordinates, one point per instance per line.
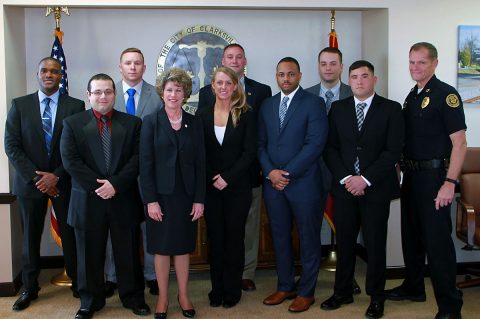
(32, 212)
(427, 232)
(91, 245)
(351, 214)
(225, 215)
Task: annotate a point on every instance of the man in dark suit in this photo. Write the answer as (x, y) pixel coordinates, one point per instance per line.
(99, 149)
(142, 99)
(234, 58)
(362, 162)
(293, 130)
(32, 139)
(331, 89)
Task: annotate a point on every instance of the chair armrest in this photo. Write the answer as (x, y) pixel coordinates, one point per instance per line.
(466, 210)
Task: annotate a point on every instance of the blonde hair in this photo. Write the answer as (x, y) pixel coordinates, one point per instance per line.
(239, 100)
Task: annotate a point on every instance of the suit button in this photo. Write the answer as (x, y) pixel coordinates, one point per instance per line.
(359, 148)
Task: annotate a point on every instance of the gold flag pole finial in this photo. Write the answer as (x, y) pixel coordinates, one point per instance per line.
(332, 20)
(57, 11)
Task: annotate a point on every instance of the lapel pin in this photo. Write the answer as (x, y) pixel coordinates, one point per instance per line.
(186, 125)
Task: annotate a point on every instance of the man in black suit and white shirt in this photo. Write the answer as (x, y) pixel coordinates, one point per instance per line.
(362, 162)
(234, 58)
(32, 138)
(137, 97)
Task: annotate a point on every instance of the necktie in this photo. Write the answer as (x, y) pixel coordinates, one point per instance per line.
(283, 110)
(106, 142)
(329, 96)
(131, 101)
(360, 118)
(47, 124)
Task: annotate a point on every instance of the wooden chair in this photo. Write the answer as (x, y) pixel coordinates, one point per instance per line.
(468, 210)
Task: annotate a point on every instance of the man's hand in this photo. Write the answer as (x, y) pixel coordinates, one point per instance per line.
(154, 211)
(356, 185)
(106, 191)
(279, 179)
(445, 195)
(45, 181)
(53, 192)
(218, 182)
(197, 211)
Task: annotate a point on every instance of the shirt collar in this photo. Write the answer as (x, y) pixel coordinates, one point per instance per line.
(290, 96)
(138, 87)
(368, 100)
(335, 90)
(54, 97)
(98, 115)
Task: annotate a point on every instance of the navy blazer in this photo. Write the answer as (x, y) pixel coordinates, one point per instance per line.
(25, 142)
(378, 146)
(297, 146)
(160, 151)
(233, 159)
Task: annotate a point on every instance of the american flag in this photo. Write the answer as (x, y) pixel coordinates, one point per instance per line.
(57, 53)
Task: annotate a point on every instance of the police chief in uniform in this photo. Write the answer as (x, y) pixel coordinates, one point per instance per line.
(435, 147)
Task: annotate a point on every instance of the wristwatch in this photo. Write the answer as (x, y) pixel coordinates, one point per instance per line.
(453, 181)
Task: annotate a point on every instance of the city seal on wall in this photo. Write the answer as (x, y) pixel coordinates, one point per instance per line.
(198, 50)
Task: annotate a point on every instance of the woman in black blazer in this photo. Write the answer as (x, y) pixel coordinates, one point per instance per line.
(172, 179)
(230, 146)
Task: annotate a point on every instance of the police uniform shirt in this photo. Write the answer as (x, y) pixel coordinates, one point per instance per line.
(430, 117)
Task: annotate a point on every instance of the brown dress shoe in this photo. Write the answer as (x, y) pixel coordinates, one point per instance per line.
(278, 297)
(301, 304)
(248, 285)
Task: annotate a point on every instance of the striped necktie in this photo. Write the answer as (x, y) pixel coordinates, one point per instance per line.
(106, 142)
(283, 110)
(329, 95)
(47, 125)
(360, 118)
(131, 101)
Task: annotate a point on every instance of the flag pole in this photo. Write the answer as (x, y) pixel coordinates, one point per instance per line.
(62, 278)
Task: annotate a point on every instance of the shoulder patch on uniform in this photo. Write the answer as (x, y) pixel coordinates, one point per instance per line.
(452, 100)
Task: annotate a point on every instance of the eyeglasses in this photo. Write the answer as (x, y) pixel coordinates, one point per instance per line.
(99, 93)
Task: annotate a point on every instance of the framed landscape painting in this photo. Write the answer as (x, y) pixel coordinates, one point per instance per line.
(468, 78)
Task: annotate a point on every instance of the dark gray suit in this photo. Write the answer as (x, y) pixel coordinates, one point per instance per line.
(26, 150)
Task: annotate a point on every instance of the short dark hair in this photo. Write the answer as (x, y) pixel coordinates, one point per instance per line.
(48, 58)
(133, 50)
(99, 76)
(233, 45)
(359, 64)
(332, 50)
(432, 50)
(289, 59)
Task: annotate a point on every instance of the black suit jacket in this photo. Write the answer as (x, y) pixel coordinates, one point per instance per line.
(25, 142)
(233, 159)
(256, 93)
(159, 153)
(82, 154)
(378, 146)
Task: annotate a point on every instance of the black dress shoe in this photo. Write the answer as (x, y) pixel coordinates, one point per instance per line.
(400, 293)
(153, 287)
(189, 313)
(24, 300)
(335, 301)
(84, 314)
(248, 285)
(140, 310)
(160, 315)
(356, 288)
(215, 303)
(110, 287)
(229, 303)
(448, 316)
(375, 310)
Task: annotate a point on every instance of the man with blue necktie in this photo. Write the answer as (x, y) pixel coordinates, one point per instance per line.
(137, 97)
(32, 139)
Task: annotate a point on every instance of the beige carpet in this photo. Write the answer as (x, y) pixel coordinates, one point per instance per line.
(57, 302)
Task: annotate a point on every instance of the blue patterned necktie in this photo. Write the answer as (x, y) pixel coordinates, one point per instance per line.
(106, 142)
(131, 101)
(360, 117)
(329, 95)
(283, 110)
(47, 125)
